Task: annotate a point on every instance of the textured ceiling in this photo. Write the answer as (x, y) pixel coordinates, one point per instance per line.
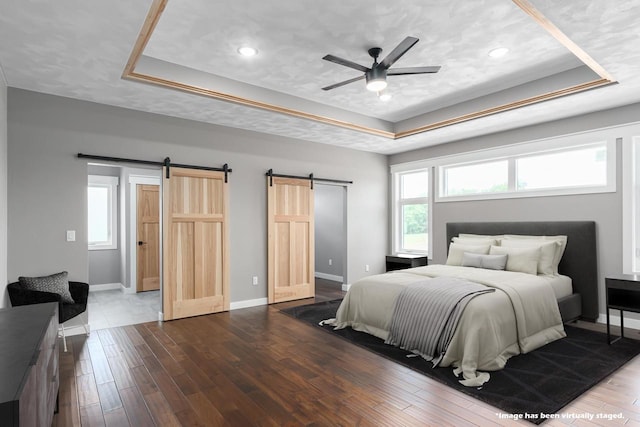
(291, 46)
(78, 49)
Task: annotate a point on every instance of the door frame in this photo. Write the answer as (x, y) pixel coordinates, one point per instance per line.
(134, 180)
(345, 239)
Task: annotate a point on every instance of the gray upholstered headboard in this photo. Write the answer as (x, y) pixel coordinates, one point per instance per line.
(578, 262)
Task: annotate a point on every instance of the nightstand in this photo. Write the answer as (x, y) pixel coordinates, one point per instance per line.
(623, 293)
(402, 261)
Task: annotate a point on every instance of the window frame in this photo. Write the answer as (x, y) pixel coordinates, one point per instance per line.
(111, 183)
(516, 151)
(397, 204)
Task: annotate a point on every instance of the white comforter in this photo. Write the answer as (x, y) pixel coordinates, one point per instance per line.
(522, 316)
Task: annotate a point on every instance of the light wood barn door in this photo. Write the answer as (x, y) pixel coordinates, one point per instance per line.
(148, 243)
(291, 239)
(195, 248)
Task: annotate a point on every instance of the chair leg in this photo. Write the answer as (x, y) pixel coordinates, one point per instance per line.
(64, 338)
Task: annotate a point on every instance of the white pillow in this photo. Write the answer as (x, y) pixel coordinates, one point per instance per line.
(547, 251)
(559, 250)
(523, 260)
(457, 250)
(474, 241)
(490, 262)
(497, 237)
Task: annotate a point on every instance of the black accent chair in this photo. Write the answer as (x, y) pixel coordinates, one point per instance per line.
(79, 292)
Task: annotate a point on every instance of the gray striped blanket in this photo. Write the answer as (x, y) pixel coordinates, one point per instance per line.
(426, 314)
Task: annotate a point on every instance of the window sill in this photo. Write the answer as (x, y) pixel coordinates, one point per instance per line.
(103, 248)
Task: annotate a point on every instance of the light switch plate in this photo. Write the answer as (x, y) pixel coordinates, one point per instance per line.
(71, 235)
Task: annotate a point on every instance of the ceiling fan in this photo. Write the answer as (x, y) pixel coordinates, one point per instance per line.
(376, 76)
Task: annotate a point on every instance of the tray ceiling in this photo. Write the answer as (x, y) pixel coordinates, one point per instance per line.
(555, 49)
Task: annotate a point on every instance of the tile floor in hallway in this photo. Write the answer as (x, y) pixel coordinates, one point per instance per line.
(108, 309)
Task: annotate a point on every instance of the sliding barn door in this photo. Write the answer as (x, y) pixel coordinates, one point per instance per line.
(195, 254)
(291, 239)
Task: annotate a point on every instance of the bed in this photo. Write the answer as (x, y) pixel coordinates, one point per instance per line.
(525, 311)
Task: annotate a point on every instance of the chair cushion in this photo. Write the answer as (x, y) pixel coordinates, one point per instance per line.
(55, 283)
(69, 311)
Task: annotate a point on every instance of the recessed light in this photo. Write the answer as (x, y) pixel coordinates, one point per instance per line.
(498, 52)
(247, 51)
(384, 96)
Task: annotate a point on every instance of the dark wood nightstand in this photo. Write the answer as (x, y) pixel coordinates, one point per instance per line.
(623, 293)
(402, 261)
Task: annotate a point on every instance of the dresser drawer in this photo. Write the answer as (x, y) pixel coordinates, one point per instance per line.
(28, 364)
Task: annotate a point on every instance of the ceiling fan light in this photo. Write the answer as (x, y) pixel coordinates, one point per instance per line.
(376, 85)
(384, 96)
(376, 79)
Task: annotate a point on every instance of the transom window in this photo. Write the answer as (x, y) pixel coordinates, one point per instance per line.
(478, 178)
(538, 171)
(578, 167)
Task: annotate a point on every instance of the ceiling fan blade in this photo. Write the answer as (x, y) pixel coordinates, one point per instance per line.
(400, 50)
(413, 70)
(346, 63)
(346, 82)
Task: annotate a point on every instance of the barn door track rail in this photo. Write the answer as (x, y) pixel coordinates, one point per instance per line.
(310, 177)
(166, 163)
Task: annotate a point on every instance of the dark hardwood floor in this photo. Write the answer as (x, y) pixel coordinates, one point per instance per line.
(260, 367)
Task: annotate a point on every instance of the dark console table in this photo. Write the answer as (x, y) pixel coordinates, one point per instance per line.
(623, 293)
(28, 364)
(401, 261)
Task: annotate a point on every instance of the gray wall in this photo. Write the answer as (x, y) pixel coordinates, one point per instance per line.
(605, 209)
(104, 264)
(47, 183)
(330, 229)
(4, 300)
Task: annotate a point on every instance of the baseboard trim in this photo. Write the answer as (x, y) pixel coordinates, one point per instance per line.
(248, 303)
(105, 287)
(327, 276)
(615, 321)
(346, 287)
(130, 290)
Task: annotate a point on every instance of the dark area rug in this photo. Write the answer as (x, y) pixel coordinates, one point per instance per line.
(541, 382)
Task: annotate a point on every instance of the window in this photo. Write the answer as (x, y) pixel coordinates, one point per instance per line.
(587, 165)
(631, 201)
(488, 177)
(411, 213)
(102, 212)
(552, 167)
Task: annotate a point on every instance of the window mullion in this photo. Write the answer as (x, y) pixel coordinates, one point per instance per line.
(512, 185)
